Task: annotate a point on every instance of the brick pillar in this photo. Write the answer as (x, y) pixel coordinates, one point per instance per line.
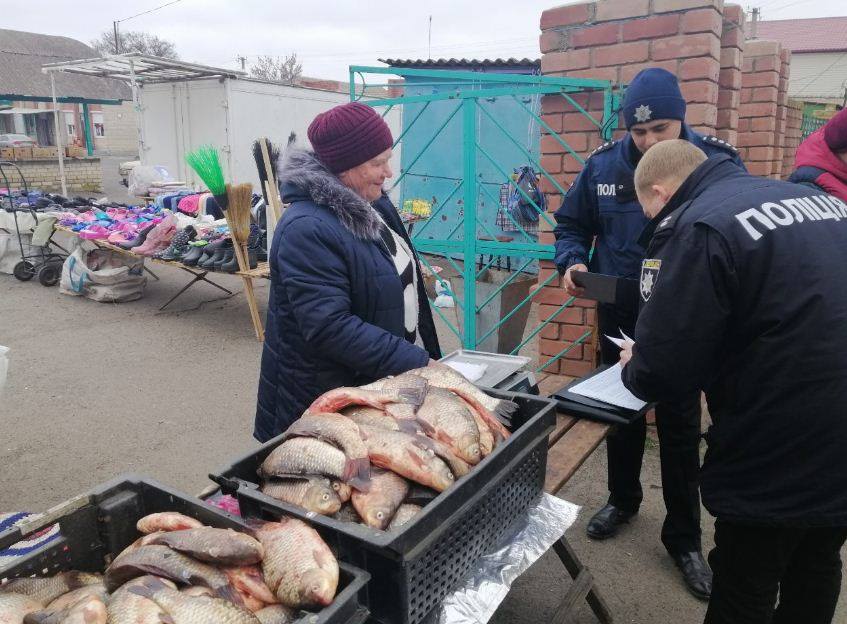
(793, 123)
(757, 125)
(781, 112)
(614, 40)
(732, 55)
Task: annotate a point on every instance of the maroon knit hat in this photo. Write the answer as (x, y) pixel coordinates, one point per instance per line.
(835, 132)
(348, 135)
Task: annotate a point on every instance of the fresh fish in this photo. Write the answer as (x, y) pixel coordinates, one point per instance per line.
(46, 589)
(343, 490)
(407, 456)
(196, 590)
(339, 431)
(445, 418)
(126, 607)
(348, 513)
(166, 521)
(459, 467)
(337, 399)
(312, 493)
(404, 413)
(276, 614)
(15, 607)
(185, 609)
(371, 417)
(219, 546)
(442, 376)
(249, 582)
(66, 600)
(404, 515)
(163, 561)
(378, 506)
(86, 610)
(305, 456)
(487, 440)
(299, 567)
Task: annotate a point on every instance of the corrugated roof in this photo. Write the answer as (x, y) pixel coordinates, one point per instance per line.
(462, 62)
(819, 34)
(22, 55)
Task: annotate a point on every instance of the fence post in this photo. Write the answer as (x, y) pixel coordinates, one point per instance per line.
(469, 278)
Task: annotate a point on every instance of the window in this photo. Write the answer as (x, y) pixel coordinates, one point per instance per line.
(97, 122)
(70, 122)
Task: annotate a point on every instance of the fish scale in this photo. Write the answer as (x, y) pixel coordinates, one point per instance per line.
(187, 609)
(306, 456)
(446, 418)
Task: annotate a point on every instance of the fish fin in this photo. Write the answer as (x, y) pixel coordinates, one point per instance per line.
(357, 469)
(425, 443)
(228, 592)
(164, 618)
(415, 458)
(407, 425)
(362, 485)
(412, 396)
(147, 587)
(505, 409)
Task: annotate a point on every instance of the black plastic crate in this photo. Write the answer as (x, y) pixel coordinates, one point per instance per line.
(97, 526)
(414, 568)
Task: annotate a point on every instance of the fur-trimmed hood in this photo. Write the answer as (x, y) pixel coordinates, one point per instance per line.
(302, 169)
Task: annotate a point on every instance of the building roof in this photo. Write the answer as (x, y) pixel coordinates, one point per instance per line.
(463, 62)
(819, 34)
(22, 54)
(144, 68)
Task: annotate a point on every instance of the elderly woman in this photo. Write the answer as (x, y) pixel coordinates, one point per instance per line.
(347, 302)
(821, 159)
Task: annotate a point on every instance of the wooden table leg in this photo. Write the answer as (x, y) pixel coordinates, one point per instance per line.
(582, 588)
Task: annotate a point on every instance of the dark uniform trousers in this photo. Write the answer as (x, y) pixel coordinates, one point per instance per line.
(678, 426)
(755, 565)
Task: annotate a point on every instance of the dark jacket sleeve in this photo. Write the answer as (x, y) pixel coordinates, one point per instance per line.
(736, 159)
(681, 329)
(318, 285)
(576, 222)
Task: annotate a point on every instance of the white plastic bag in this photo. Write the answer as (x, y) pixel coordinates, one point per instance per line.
(141, 177)
(4, 366)
(103, 275)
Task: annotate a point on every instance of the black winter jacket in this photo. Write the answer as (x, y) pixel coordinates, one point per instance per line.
(746, 298)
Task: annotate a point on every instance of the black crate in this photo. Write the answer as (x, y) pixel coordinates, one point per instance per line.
(97, 526)
(413, 569)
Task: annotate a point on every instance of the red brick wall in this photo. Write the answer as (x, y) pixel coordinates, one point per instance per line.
(794, 119)
(732, 55)
(760, 129)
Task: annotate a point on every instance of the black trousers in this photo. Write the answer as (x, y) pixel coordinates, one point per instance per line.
(754, 565)
(678, 426)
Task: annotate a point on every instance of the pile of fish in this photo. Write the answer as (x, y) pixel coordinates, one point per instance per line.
(377, 453)
(182, 572)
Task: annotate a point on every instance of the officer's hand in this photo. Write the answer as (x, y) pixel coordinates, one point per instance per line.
(572, 289)
(626, 352)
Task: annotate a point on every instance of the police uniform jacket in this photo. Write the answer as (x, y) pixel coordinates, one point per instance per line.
(746, 298)
(602, 203)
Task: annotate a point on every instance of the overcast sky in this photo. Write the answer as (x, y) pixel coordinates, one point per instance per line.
(328, 35)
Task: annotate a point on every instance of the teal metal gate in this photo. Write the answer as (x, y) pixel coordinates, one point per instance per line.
(468, 98)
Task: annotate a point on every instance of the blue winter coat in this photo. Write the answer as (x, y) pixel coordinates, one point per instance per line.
(335, 311)
(602, 203)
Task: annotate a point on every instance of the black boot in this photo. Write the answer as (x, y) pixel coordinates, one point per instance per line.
(139, 238)
(227, 254)
(696, 572)
(606, 522)
(193, 255)
(230, 265)
(209, 252)
(262, 252)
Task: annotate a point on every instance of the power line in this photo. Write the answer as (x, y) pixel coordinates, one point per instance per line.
(167, 4)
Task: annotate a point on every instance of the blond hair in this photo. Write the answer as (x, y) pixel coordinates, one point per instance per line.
(668, 162)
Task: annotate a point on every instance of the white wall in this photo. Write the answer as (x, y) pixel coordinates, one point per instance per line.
(818, 75)
(180, 117)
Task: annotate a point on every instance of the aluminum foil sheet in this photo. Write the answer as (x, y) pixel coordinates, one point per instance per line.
(475, 599)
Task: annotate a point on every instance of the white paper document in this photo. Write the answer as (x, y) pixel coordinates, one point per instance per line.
(608, 387)
(472, 372)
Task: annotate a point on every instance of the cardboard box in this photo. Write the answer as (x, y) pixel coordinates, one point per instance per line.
(23, 153)
(44, 152)
(74, 151)
(7, 153)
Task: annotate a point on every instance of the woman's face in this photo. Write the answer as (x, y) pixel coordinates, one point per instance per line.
(367, 179)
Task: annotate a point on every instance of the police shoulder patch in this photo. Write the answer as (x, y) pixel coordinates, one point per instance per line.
(602, 148)
(720, 143)
(649, 274)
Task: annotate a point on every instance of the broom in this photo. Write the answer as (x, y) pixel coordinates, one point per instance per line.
(207, 164)
(239, 197)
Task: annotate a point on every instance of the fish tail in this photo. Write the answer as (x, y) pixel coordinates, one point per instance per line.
(505, 409)
(358, 470)
(413, 396)
(407, 425)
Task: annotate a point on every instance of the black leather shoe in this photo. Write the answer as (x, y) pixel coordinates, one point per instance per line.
(606, 522)
(696, 572)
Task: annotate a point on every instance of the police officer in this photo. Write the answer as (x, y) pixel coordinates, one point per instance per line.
(746, 298)
(601, 207)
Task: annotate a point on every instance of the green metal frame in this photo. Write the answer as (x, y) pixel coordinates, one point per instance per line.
(472, 89)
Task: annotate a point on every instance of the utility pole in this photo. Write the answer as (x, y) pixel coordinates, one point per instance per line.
(117, 41)
(243, 61)
(429, 45)
(755, 21)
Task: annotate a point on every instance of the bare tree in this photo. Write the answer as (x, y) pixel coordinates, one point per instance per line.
(135, 41)
(277, 69)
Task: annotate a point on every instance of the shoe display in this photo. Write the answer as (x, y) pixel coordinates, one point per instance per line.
(695, 572)
(139, 238)
(225, 254)
(179, 245)
(195, 251)
(158, 238)
(606, 522)
(209, 253)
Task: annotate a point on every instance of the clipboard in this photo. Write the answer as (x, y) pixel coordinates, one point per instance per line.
(621, 292)
(583, 407)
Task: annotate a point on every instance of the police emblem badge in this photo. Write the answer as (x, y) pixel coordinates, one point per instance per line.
(649, 274)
